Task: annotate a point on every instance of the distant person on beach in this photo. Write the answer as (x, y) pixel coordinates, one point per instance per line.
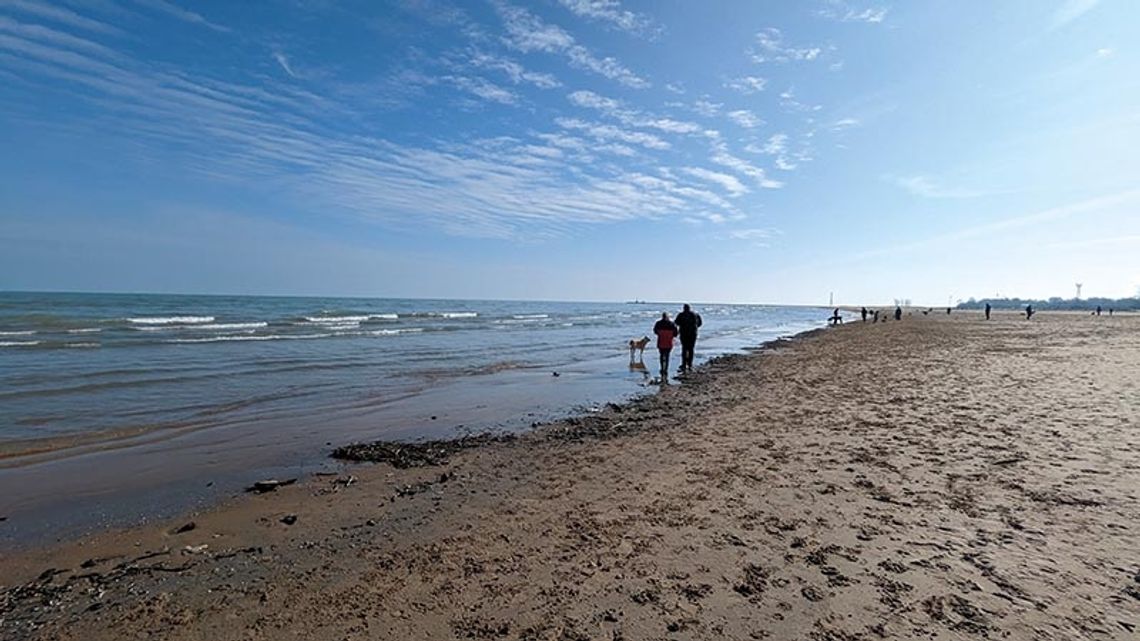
(947, 311)
(835, 317)
(864, 312)
(876, 316)
(666, 331)
(988, 308)
(898, 312)
(687, 323)
(1098, 310)
(1028, 312)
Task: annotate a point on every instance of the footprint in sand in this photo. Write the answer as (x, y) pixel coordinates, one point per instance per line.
(811, 593)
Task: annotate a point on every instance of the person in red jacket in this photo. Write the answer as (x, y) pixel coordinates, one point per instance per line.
(666, 332)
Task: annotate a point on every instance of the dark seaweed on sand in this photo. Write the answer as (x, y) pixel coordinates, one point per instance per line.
(423, 454)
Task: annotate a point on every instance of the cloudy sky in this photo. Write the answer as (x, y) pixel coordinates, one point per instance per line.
(572, 149)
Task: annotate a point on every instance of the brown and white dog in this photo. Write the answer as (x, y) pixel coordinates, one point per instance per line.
(638, 345)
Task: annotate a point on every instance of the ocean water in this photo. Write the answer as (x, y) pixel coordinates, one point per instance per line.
(100, 393)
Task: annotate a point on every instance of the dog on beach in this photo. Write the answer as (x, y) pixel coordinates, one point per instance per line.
(639, 345)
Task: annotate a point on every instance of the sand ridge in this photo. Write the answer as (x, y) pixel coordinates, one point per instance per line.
(938, 477)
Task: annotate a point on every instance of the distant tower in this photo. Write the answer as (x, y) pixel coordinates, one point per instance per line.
(1079, 290)
(831, 299)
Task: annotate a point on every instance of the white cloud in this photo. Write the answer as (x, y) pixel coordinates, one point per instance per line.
(926, 187)
(757, 236)
(706, 107)
(280, 141)
(745, 118)
(590, 99)
(184, 15)
(1104, 52)
(611, 11)
(56, 38)
(789, 102)
(515, 71)
(527, 32)
(483, 88)
(771, 48)
(751, 234)
(844, 12)
(747, 84)
(1069, 11)
(59, 15)
(609, 132)
(721, 156)
(777, 144)
(730, 183)
(283, 61)
(632, 117)
(843, 123)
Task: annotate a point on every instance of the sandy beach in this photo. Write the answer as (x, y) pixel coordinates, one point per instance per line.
(942, 477)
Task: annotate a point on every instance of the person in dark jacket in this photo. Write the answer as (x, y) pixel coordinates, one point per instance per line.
(988, 308)
(687, 323)
(898, 312)
(666, 331)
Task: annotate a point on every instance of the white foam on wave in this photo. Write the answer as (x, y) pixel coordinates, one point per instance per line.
(336, 320)
(85, 330)
(246, 337)
(18, 343)
(26, 332)
(517, 321)
(530, 316)
(81, 345)
(255, 325)
(338, 327)
(457, 314)
(171, 320)
(393, 332)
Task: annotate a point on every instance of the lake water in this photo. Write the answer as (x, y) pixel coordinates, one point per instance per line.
(108, 396)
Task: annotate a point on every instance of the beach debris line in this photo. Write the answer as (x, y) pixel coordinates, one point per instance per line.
(423, 454)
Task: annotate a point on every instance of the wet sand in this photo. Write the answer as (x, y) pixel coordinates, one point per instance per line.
(940, 477)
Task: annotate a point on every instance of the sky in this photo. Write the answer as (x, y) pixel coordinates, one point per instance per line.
(715, 151)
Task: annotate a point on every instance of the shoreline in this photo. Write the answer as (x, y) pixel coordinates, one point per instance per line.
(857, 482)
(574, 422)
(78, 490)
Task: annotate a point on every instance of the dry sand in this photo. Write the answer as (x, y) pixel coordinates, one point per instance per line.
(937, 478)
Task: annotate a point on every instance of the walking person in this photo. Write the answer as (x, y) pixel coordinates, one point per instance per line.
(687, 323)
(864, 313)
(666, 331)
(988, 311)
(898, 313)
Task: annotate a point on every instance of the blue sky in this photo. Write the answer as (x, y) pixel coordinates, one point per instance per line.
(572, 149)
